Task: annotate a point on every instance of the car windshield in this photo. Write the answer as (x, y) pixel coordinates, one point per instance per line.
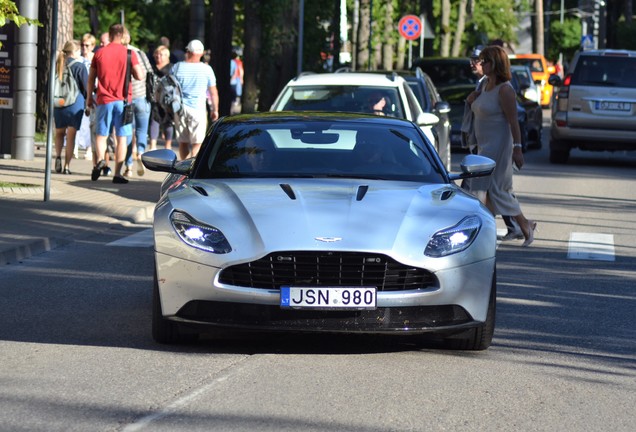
(449, 73)
(535, 65)
(605, 71)
(343, 98)
(319, 149)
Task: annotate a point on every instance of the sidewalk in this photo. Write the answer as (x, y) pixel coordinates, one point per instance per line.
(76, 206)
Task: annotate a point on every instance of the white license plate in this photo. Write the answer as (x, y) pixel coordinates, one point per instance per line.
(328, 297)
(612, 106)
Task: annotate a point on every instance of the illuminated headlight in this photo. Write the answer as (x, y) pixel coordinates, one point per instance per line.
(199, 235)
(531, 94)
(454, 239)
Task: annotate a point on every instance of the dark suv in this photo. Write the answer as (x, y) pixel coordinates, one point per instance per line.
(595, 105)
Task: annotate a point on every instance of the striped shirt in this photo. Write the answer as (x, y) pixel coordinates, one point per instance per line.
(195, 78)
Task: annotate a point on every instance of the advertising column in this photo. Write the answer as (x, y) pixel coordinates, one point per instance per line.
(7, 34)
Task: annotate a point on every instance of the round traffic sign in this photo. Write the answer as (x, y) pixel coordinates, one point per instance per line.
(410, 27)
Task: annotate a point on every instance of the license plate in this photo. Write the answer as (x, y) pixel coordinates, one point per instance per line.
(612, 106)
(328, 297)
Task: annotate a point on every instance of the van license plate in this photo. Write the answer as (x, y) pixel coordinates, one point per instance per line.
(328, 297)
(612, 106)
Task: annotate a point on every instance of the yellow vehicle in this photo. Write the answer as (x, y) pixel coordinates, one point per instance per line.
(540, 73)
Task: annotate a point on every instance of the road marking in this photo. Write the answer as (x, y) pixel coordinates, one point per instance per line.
(141, 239)
(591, 246)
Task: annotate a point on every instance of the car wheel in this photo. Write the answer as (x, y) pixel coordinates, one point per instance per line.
(478, 338)
(558, 154)
(163, 330)
(538, 143)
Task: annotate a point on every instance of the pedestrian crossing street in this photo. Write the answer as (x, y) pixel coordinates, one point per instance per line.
(581, 246)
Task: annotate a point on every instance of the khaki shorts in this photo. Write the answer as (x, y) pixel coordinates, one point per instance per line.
(191, 125)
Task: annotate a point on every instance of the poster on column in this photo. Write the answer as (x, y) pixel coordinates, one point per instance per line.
(6, 67)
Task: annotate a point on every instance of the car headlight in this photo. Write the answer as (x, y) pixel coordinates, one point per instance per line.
(199, 235)
(454, 239)
(531, 94)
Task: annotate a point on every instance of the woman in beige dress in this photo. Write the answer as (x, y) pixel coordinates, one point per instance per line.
(499, 138)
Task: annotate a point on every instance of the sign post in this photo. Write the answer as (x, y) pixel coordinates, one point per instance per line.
(410, 28)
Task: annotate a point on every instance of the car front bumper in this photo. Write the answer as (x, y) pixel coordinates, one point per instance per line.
(191, 293)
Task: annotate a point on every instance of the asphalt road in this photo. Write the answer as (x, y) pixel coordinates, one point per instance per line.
(76, 352)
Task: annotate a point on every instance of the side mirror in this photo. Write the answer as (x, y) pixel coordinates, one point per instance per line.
(442, 107)
(427, 119)
(474, 166)
(555, 80)
(164, 160)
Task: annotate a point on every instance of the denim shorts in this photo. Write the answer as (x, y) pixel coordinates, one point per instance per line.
(110, 116)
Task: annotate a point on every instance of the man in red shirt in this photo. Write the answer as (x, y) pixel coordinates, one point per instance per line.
(109, 67)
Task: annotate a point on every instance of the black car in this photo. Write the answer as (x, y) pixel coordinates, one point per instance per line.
(455, 79)
(447, 71)
(528, 95)
(455, 96)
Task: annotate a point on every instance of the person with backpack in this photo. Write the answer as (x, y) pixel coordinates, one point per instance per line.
(195, 79)
(141, 104)
(159, 121)
(69, 99)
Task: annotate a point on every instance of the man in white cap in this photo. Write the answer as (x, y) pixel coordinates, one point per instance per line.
(197, 81)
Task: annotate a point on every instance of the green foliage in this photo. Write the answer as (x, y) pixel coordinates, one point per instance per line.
(626, 35)
(565, 38)
(9, 14)
(146, 21)
(494, 19)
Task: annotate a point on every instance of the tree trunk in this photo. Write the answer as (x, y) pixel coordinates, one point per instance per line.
(221, 39)
(387, 46)
(461, 24)
(197, 19)
(629, 8)
(445, 29)
(251, 55)
(354, 34)
(64, 29)
(280, 44)
(364, 30)
(538, 26)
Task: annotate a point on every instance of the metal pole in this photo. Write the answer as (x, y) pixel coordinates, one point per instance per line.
(49, 124)
(423, 20)
(301, 24)
(25, 84)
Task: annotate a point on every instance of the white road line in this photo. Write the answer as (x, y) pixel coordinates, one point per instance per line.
(591, 246)
(140, 239)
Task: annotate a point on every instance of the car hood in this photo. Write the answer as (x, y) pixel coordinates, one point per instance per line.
(258, 216)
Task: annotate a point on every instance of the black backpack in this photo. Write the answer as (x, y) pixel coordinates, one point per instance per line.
(169, 96)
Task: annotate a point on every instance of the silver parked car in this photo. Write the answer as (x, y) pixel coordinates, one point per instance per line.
(322, 222)
(595, 104)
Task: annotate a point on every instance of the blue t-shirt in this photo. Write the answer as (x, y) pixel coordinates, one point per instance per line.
(195, 78)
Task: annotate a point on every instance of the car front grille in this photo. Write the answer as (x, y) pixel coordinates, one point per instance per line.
(331, 269)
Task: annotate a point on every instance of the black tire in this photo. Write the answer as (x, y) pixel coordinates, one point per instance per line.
(163, 330)
(538, 143)
(559, 156)
(478, 338)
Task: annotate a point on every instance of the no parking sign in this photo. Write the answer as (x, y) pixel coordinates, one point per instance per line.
(410, 27)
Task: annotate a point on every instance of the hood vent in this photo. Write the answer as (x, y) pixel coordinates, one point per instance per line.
(362, 191)
(200, 190)
(446, 194)
(288, 190)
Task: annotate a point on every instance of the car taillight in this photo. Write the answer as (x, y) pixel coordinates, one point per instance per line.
(561, 119)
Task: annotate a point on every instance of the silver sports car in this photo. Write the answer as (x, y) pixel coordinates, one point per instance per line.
(321, 222)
